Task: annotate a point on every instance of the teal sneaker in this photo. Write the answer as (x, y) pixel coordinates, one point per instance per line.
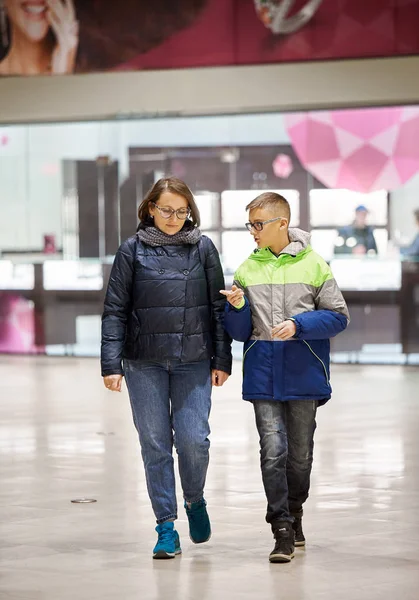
(199, 523)
(168, 543)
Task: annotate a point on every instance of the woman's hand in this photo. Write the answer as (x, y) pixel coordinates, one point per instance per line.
(62, 18)
(113, 382)
(235, 297)
(218, 378)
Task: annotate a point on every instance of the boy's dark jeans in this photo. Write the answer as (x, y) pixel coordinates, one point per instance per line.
(286, 431)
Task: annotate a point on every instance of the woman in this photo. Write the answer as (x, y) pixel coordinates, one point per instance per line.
(163, 319)
(44, 36)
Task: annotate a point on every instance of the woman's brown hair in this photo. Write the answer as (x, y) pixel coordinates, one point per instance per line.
(175, 186)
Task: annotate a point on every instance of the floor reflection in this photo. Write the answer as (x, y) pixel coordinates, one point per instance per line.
(61, 439)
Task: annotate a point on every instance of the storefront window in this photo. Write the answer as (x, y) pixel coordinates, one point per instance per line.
(69, 195)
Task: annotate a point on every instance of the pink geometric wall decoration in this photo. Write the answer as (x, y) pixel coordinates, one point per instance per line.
(17, 325)
(361, 150)
(282, 166)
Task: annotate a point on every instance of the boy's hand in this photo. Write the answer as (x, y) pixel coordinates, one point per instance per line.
(284, 331)
(234, 297)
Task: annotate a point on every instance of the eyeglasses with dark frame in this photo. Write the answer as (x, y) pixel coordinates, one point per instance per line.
(167, 213)
(258, 225)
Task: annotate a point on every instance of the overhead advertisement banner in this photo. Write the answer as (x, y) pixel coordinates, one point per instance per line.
(58, 37)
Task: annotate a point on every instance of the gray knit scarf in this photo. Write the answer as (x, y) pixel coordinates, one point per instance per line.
(155, 237)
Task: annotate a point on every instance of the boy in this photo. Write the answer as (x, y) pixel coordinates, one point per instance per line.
(285, 305)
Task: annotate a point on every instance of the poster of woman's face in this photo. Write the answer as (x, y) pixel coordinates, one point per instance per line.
(39, 37)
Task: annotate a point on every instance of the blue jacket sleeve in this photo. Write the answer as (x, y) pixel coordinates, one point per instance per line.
(238, 322)
(319, 324)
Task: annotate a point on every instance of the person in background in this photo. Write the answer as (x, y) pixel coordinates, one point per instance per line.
(284, 305)
(412, 251)
(357, 238)
(162, 328)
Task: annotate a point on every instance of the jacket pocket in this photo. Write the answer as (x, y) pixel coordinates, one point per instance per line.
(248, 349)
(257, 369)
(131, 336)
(326, 374)
(306, 369)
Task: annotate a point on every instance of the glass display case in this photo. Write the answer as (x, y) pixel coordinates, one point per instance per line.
(367, 274)
(336, 208)
(209, 208)
(72, 275)
(16, 276)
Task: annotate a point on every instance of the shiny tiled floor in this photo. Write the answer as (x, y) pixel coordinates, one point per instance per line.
(62, 437)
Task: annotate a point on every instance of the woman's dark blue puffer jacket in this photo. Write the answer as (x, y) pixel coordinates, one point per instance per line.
(164, 304)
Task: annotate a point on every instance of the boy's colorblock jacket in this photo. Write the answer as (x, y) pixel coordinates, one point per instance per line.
(297, 285)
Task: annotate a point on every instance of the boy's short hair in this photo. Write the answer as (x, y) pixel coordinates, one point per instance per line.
(273, 201)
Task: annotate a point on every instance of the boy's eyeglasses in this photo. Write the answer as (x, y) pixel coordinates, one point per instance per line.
(258, 225)
(167, 213)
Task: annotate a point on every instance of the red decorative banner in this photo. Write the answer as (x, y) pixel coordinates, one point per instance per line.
(82, 36)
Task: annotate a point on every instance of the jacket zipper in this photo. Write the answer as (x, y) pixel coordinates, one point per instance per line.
(318, 358)
(281, 261)
(186, 293)
(244, 355)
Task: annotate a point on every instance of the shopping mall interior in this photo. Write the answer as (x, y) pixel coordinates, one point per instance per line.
(78, 154)
(74, 188)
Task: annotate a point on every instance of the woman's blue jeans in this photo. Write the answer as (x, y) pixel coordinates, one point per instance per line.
(171, 403)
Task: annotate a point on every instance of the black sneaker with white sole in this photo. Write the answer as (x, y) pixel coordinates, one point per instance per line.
(284, 543)
(297, 526)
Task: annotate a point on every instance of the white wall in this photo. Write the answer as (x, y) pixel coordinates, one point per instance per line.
(14, 200)
(31, 179)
